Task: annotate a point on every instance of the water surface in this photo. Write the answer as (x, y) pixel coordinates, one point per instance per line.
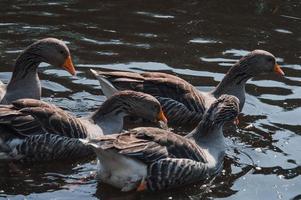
(195, 40)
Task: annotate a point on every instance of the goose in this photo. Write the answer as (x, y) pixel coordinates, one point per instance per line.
(25, 82)
(183, 104)
(148, 158)
(27, 124)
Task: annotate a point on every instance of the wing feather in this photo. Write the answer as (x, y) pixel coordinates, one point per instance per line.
(187, 102)
(149, 144)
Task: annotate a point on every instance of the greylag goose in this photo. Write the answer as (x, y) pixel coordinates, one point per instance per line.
(149, 158)
(107, 119)
(30, 125)
(183, 104)
(25, 82)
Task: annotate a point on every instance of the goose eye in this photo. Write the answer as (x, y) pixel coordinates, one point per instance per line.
(62, 52)
(270, 59)
(154, 109)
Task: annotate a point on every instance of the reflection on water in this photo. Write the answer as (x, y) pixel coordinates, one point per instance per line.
(196, 40)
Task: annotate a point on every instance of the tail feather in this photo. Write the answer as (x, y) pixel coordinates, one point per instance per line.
(119, 74)
(107, 88)
(100, 142)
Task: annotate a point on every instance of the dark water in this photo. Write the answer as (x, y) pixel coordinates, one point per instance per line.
(196, 40)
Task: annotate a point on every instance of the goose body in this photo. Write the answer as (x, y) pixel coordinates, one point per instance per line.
(152, 159)
(25, 82)
(27, 122)
(182, 103)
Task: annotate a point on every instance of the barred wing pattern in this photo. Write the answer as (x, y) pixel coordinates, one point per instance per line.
(149, 145)
(31, 117)
(170, 158)
(176, 145)
(57, 121)
(178, 113)
(127, 144)
(18, 122)
(25, 133)
(181, 102)
(167, 173)
(52, 118)
(49, 147)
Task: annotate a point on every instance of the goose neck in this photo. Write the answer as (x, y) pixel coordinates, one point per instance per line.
(26, 65)
(109, 118)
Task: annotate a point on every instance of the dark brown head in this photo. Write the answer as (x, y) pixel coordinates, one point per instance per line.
(135, 104)
(224, 109)
(258, 62)
(52, 51)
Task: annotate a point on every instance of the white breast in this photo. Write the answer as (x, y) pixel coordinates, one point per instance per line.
(120, 171)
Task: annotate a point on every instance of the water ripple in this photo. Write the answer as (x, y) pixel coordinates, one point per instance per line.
(194, 40)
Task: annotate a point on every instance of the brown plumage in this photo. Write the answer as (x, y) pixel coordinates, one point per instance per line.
(156, 159)
(182, 103)
(28, 122)
(25, 82)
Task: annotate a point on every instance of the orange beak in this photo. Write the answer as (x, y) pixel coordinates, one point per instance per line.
(278, 70)
(68, 65)
(161, 117)
(236, 121)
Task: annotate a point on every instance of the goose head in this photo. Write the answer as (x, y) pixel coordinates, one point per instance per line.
(258, 62)
(52, 51)
(224, 109)
(133, 103)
